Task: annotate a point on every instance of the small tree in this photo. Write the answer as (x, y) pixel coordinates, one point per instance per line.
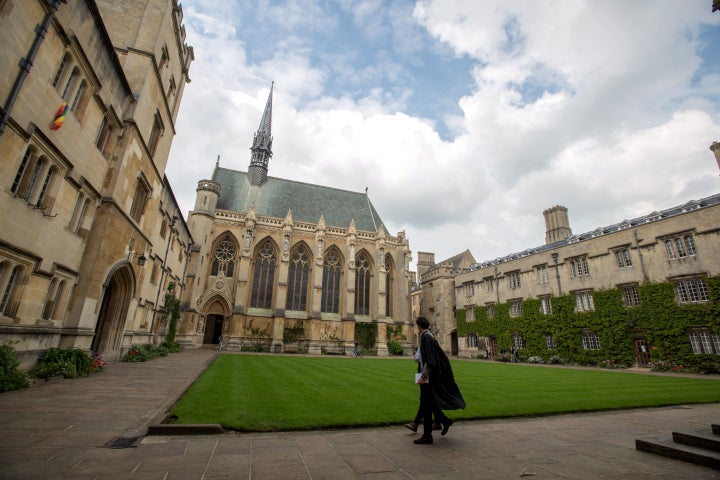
(172, 310)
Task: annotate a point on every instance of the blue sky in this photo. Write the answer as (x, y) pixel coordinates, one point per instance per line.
(465, 119)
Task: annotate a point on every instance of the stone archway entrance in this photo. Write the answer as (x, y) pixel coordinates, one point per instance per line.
(110, 324)
(213, 329)
(453, 343)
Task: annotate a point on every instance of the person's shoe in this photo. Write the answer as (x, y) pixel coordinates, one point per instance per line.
(437, 426)
(446, 426)
(423, 440)
(412, 426)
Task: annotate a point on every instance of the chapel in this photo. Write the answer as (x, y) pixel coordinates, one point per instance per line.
(286, 266)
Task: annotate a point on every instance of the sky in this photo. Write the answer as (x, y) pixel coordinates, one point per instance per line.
(464, 119)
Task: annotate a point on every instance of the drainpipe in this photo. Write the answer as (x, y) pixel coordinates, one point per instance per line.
(557, 273)
(27, 63)
(642, 261)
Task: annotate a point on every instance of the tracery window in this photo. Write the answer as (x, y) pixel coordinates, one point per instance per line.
(224, 258)
(362, 284)
(298, 275)
(264, 277)
(331, 283)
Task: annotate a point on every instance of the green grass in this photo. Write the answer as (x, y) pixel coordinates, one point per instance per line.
(269, 392)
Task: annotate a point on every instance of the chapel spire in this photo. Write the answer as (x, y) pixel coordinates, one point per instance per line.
(262, 146)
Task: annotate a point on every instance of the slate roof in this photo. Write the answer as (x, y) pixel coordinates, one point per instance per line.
(456, 261)
(649, 218)
(306, 201)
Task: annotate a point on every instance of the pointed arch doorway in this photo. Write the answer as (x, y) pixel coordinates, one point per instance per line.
(119, 290)
(215, 314)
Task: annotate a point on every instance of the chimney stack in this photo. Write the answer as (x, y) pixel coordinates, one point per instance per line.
(557, 225)
(715, 148)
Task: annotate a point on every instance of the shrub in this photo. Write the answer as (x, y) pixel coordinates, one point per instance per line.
(555, 360)
(65, 362)
(394, 348)
(11, 378)
(535, 359)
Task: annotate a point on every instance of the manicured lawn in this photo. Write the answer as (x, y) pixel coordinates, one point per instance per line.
(273, 392)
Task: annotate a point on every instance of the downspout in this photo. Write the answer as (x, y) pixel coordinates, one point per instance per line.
(557, 273)
(642, 261)
(27, 63)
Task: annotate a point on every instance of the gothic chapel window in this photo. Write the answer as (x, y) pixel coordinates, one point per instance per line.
(298, 279)
(263, 277)
(331, 283)
(362, 284)
(224, 259)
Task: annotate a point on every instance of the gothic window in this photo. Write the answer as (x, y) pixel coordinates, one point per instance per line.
(142, 193)
(70, 83)
(362, 284)
(549, 342)
(61, 70)
(389, 280)
(54, 296)
(518, 340)
(104, 137)
(332, 268)
(78, 216)
(584, 301)
(579, 267)
(471, 341)
(545, 305)
(19, 186)
(298, 275)
(489, 282)
(155, 134)
(542, 275)
(224, 258)
(490, 310)
(704, 340)
(590, 340)
(9, 278)
(470, 313)
(631, 297)
(263, 277)
(43, 200)
(622, 257)
(514, 280)
(680, 247)
(469, 289)
(516, 308)
(692, 290)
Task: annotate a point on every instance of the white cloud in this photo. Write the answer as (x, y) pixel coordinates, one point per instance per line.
(597, 106)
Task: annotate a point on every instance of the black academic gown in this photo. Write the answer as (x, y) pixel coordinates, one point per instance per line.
(442, 381)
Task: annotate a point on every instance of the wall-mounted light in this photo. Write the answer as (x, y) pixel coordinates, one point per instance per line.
(141, 260)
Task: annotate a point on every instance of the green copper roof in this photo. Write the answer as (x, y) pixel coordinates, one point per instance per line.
(306, 201)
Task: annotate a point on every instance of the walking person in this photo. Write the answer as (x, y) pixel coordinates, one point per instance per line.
(438, 390)
(419, 415)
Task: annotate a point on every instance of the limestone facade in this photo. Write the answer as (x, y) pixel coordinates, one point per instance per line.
(88, 239)
(680, 245)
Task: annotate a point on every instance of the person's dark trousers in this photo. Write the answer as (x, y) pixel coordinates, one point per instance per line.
(427, 405)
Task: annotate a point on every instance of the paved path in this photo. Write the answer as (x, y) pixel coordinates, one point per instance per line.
(59, 429)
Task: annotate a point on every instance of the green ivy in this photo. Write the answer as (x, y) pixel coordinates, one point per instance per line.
(658, 317)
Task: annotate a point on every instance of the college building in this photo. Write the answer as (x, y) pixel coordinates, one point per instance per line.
(91, 236)
(286, 266)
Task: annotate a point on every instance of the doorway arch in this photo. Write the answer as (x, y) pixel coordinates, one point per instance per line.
(215, 314)
(119, 289)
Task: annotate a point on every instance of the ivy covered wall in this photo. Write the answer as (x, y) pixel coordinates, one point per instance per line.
(658, 318)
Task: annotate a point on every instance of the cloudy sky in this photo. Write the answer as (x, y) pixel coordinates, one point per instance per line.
(465, 119)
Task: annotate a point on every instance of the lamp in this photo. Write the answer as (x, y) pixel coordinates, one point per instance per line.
(131, 254)
(141, 260)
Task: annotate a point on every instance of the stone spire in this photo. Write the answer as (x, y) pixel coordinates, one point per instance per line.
(262, 146)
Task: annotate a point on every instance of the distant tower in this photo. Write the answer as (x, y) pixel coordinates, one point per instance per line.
(262, 146)
(425, 261)
(715, 147)
(557, 225)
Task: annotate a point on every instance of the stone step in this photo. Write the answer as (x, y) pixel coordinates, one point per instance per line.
(695, 440)
(715, 429)
(686, 453)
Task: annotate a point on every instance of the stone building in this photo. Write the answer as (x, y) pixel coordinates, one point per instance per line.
(291, 266)
(435, 297)
(92, 233)
(679, 246)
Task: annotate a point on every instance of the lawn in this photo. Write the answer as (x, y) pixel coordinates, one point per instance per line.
(274, 392)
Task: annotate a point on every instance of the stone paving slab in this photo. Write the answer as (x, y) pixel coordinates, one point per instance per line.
(58, 429)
